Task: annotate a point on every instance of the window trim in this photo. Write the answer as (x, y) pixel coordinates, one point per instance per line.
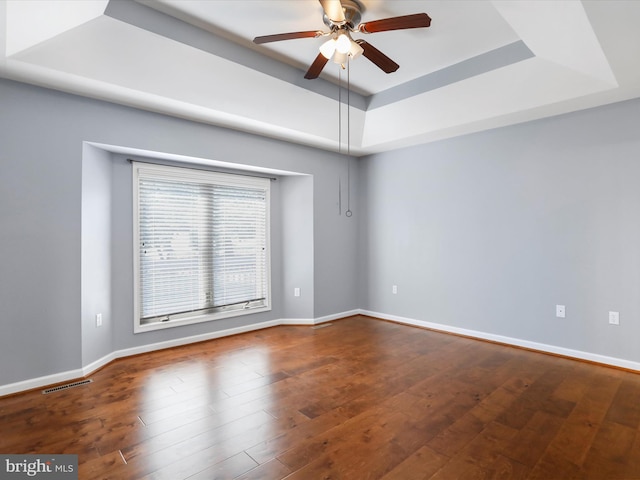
(173, 173)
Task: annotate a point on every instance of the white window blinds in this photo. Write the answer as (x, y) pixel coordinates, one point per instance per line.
(202, 243)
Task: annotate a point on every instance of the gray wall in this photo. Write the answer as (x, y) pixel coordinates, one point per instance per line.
(95, 264)
(297, 242)
(485, 232)
(488, 232)
(40, 177)
(66, 236)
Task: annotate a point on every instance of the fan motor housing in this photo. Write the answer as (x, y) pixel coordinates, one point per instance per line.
(352, 13)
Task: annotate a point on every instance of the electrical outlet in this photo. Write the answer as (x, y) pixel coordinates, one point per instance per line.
(296, 292)
(98, 319)
(614, 318)
(560, 311)
(394, 289)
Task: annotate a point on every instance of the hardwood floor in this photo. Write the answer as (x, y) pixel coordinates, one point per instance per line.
(359, 399)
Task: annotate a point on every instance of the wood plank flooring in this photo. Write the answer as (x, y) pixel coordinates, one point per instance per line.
(360, 399)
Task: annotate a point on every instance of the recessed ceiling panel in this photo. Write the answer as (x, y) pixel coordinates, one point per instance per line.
(460, 30)
(34, 21)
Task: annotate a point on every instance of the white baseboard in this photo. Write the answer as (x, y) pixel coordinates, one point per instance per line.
(541, 347)
(127, 352)
(336, 316)
(33, 383)
(297, 321)
(93, 366)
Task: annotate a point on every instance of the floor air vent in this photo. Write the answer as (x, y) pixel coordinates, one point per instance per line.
(64, 387)
(323, 325)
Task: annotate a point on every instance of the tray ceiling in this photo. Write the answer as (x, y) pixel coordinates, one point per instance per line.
(481, 64)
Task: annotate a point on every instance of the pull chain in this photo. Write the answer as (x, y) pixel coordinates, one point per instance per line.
(339, 111)
(348, 213)
(339, 137)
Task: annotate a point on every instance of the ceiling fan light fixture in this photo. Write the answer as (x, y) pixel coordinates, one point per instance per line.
(340, 58)
(356, 50)
(327, 48)
(343, 43)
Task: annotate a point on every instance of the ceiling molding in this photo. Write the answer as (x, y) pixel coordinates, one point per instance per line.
(492, 60)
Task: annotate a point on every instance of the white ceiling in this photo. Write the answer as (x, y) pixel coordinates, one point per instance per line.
(480, 65)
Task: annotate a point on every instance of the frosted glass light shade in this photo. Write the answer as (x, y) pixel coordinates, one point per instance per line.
(327, 48)
(340, 58)
(343, 43)
(355, 50)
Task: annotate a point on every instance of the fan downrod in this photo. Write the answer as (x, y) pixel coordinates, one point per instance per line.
(352, 9)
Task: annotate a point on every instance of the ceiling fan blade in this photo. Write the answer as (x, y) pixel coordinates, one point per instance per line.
(376, 56)
(333, 10)
(417, 20)
(316, 67)
(287, 36)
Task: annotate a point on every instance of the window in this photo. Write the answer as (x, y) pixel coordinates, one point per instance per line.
(201, 246)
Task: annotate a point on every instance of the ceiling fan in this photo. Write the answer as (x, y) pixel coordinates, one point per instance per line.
(343, 17)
